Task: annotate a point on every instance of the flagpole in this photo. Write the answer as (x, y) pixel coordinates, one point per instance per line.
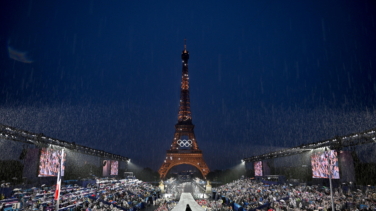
(57, 193)
(58, 182)
(330, 178)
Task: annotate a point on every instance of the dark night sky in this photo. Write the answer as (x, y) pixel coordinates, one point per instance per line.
(263, 74)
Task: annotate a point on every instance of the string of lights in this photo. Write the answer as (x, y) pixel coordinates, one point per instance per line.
(336, 143)
(14, 134)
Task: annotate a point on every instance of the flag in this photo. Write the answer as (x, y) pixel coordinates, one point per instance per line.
(58, 182)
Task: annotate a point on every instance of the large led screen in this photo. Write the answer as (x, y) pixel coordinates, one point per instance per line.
(49, 162)
(114, 167)
(258, 168)
(106, 168)
(321, 167)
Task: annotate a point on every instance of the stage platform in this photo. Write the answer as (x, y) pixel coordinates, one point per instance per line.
(187, 198)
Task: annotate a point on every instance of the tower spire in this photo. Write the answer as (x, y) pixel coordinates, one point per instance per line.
(184, 115)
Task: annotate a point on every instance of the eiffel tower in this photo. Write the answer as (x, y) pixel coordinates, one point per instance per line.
(184, 148)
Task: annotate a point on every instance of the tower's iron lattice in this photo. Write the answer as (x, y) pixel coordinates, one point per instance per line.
(184, 148)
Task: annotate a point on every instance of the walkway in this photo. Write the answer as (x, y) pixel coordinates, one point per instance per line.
(187, 198)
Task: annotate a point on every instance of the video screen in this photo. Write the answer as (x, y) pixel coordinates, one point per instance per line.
(320, 164)
(258, 168)
(106, 168)
(114, 167)
(49, 162)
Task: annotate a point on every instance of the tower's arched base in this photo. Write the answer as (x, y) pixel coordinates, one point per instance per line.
(175, 158)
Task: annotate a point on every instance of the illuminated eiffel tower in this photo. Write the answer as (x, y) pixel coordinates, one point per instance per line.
(184, 148)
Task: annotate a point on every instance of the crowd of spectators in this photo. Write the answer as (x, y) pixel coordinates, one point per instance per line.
(243, 194)
(166, 204)
(128, 194)
(253, 195)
